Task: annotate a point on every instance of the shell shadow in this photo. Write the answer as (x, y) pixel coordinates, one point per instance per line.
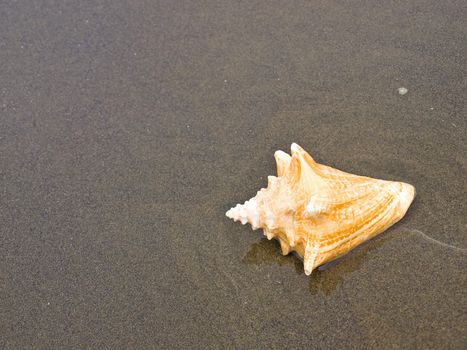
(268, 252)
(325, 278)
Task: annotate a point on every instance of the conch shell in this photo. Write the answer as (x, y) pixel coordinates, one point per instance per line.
(319, 212)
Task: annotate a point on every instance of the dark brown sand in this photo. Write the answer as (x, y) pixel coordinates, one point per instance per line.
(128, 128)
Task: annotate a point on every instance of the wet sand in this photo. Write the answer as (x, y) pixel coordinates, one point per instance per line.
(128, 128)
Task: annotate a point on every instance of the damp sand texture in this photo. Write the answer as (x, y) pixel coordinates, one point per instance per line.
(128, 128)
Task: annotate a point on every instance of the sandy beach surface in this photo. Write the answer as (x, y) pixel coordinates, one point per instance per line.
(128, 128)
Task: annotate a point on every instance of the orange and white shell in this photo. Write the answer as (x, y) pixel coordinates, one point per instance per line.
(320, 212)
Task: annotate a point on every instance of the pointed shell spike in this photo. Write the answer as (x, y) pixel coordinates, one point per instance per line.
(285, 247)
(282, 161)
(320, 212)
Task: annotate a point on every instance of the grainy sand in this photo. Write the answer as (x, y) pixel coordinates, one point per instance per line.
(128, 128)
